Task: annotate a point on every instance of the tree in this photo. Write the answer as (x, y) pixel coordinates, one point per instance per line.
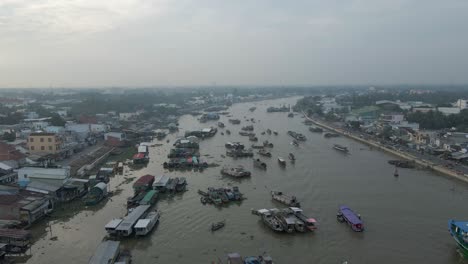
(9, 136)
(56, 120)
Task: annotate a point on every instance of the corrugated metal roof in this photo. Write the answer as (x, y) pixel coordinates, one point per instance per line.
(14, 233)
(106, 252)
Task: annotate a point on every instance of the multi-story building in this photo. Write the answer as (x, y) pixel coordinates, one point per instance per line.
(44, 143)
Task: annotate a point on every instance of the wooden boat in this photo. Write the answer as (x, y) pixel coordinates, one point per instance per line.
(181, 184)
(253, 138)
(234, 258)
(264, 153)
(171, 185)
(285, 199)
(395, 173)
(267, 144)
(403, 163)
(259, 164)
(251, 109)
(270, 220)
(275, 133)
(329, 135)
(237, 193)
(315, 129)
(340, 148)
(228, 131)
(291, 157)
(268, 131)
(236, 172)
(146, 224)
(220, 124)
(458, 230)
(310, 223)
(295, 143)
(218, 225)
(281, 161)
(291, 115)
(345, 214)
(257, 146)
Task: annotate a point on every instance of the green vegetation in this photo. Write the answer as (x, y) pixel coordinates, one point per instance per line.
(436, 120)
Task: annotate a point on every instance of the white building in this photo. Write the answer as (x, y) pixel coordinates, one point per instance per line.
(55, 176)
(449, 110)
(462, 104)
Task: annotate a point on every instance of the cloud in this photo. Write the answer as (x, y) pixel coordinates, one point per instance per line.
(72, 16)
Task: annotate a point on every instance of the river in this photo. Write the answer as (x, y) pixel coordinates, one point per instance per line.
(405, 217)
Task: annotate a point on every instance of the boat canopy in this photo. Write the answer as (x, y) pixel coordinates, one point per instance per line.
(106, 252)
(350, 215)
(296, 209)
(113, 224)
(263, 211)
(142, 223)
(162, 181)
(461, 224)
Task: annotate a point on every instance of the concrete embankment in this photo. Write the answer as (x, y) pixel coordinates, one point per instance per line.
(404, 155)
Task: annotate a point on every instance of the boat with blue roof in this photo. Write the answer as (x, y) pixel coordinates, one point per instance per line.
(459, 231)
(345, 214)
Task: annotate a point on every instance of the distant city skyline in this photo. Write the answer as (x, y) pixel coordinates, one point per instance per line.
(138, 43)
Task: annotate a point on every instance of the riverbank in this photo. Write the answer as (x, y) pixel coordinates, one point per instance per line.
(404, 155)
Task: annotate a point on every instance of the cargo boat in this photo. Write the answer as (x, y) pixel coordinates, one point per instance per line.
(285, 199)
(270, 219)
(236, 172)
(146, 224)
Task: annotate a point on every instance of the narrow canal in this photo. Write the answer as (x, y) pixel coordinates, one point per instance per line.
(405, 217)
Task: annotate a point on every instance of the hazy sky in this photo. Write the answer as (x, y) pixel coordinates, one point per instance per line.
(72, 43)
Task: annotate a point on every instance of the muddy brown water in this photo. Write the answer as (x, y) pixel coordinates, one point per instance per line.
(405, 217)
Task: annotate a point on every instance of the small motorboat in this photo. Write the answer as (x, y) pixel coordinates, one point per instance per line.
(281, 161)
(275, 133)
(341, 148)
(217, 225)
(295, 143)
(291, 157)
(263, 152)
(259, 164)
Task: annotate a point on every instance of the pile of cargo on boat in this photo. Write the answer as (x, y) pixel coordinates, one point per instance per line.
(297, 136)
(285, 199)
(185, 155)
(289, 220)
(236, 172)
(220, 196)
